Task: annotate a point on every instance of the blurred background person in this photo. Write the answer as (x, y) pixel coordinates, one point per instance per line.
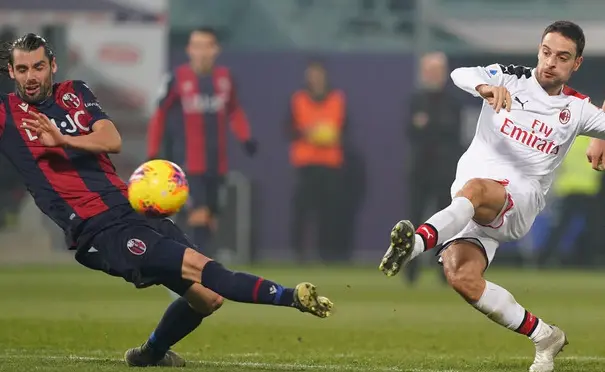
(315, 127)
(198, 102)
(574, 235)
(434, 136)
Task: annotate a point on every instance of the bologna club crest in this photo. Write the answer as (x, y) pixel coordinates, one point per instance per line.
(70, 100)
(564, 116)
(136, 247)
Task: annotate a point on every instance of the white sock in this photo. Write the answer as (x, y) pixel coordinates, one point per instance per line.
(445, 224)
(501, 307)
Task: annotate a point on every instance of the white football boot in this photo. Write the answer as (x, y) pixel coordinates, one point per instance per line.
(547, 349)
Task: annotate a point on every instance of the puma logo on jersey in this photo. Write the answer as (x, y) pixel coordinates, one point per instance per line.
(517, 99)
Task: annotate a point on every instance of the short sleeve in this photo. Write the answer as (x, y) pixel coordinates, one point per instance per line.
(90, 101)
(592, 121)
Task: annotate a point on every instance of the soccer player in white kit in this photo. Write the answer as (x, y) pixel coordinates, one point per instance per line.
(528, 122)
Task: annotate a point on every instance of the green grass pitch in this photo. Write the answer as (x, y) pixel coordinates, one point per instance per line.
(72, 319)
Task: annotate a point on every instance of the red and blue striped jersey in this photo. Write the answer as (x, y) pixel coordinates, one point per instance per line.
(70, 186)
(193, 117)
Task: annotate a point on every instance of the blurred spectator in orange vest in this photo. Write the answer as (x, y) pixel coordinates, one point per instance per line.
(315, 128)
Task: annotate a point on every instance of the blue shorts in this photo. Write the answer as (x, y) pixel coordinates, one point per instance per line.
(142, 251)
(204, 191)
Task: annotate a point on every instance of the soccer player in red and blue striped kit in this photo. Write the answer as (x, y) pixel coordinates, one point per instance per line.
(58, 138)
(197, 106)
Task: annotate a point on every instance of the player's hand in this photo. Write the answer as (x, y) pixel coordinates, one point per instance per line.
(251, 147)
(497, 97)
(595, 153)
(48, 134)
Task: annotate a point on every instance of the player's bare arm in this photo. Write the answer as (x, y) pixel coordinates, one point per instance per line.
(104, 138)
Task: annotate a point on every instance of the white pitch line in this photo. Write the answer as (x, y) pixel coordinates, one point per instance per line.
(441, 357)
(257, 365)
(287, 366)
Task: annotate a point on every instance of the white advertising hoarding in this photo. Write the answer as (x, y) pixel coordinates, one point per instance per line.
(129, 58)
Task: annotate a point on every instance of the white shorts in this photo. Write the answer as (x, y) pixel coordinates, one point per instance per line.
(524, 201)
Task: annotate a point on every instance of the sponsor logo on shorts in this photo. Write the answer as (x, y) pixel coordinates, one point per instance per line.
(136, 247)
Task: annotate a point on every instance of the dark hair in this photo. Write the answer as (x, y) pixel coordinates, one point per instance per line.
(28, 43)
(571, 31)
(207, 30)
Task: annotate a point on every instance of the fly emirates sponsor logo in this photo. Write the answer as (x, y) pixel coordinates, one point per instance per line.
(535, 138)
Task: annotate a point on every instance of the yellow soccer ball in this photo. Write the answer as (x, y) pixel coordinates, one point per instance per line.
(158, 188)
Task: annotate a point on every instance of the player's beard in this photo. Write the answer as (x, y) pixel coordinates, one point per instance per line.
(43, 91)
(551, 83)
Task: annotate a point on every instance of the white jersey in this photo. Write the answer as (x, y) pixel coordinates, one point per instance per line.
(529, 142)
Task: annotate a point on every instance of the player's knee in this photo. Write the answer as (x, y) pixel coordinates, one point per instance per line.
(217, 303)
(209, 306)
(474, 190)
(203, 300)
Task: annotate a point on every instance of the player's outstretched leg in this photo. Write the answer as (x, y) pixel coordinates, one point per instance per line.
(464, 264)
(181, 318)
(248, 288)
(479, 199)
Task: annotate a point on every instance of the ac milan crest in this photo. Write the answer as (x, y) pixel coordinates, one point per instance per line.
(136, 247)
(70, 100)
(564, 116)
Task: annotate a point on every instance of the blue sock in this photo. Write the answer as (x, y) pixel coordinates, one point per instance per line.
(243, 287)
(178, 321)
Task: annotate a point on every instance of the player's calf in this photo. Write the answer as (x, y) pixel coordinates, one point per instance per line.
(464, 264)
(248, 288)
(181, 318)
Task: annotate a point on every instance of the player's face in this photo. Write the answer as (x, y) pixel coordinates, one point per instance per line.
(557, 61)
(202, 50)
(33, 74)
